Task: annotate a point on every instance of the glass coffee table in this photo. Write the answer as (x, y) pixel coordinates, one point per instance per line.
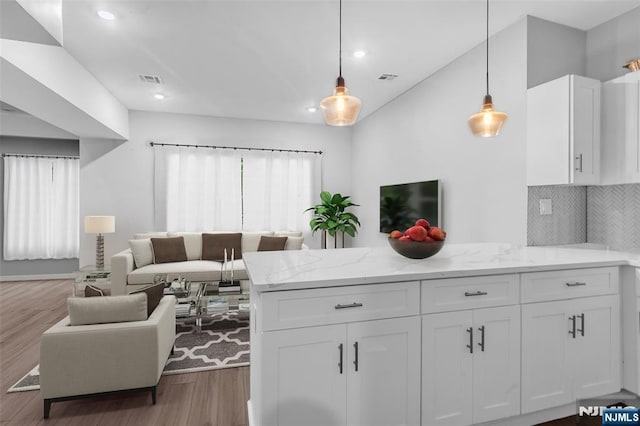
(202, 299)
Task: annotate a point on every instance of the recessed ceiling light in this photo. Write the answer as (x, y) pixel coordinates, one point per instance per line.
(159, 96)
(359, 53)
(312, 109)
(106, 15)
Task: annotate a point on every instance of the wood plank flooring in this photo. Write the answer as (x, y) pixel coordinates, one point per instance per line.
(28, 308)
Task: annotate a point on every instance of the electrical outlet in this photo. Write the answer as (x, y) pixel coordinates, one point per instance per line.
(545, 206)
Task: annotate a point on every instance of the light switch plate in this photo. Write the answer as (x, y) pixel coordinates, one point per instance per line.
(545, 206)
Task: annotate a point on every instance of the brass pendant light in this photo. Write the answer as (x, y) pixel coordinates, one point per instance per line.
(487, 122)
(340, 109)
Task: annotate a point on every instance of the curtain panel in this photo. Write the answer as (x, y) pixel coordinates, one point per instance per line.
(209, 189)
(41, 205)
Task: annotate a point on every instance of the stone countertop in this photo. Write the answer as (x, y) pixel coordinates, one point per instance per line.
(298, 269)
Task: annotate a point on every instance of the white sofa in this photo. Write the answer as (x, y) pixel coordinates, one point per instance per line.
(127, 276)
(85, 360)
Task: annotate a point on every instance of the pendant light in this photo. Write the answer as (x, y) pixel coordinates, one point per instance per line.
(340, 109)
(487, 122)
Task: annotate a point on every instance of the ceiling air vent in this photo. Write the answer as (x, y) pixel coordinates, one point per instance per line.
(150, 79)
(386, 76)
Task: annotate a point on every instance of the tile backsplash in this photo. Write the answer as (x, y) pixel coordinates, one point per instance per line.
(568, 222)
(613, 216)
(608, 215)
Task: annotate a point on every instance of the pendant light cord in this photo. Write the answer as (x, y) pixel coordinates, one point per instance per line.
(340, 43)
(487, 47)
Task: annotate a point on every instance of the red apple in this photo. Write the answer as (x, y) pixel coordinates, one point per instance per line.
(429, 240)
(417, 233)
(404, 238)
(437, 233)
(424, 223)
(395, 234)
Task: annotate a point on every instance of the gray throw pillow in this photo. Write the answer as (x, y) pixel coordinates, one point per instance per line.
(272, 243)
(167, 250)
(93, 291)
(213, 246)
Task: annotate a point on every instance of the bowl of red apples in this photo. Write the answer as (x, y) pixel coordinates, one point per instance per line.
(418, 242)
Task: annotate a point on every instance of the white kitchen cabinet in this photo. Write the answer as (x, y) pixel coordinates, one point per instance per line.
(570, 350)
(470, 358)
(620, 143)
(361, 373)
(631, 329)
(563, 132)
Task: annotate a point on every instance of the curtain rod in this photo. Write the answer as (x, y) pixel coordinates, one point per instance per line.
(40, 156)
(235, 148)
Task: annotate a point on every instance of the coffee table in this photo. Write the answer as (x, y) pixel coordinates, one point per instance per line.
(205, 299)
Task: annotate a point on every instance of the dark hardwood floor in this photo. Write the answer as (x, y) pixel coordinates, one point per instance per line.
(28, 308)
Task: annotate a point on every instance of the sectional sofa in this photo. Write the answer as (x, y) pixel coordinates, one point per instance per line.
(137, 266)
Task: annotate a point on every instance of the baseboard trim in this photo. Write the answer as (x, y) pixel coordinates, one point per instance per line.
(37, 277)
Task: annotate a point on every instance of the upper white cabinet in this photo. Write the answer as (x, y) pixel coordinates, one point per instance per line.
(620, 147)
(563, 132)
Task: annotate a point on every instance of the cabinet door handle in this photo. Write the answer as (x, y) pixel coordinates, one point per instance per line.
(572, 332)
(575, 284)
(350, 305)
(355, 361)
(470, 345)
(581, 329)
(340, 348)
(481, 344)
(579, 158)
(475, 293)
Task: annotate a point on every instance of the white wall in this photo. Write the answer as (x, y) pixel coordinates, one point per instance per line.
(612, 44)
(424, 135)
(117, 177)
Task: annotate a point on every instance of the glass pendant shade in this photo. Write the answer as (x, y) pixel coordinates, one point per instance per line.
(488, 122)
(340, 109)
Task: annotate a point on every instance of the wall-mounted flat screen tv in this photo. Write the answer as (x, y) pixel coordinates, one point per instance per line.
(401, 205)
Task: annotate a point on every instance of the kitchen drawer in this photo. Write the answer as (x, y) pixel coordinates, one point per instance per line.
(454, 294)
(568, 284)
(322, 306)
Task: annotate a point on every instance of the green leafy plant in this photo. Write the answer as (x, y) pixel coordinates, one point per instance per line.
(330, 215)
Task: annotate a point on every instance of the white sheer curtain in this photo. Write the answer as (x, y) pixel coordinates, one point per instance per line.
(278, 187)
(41, 208)
(197, 189)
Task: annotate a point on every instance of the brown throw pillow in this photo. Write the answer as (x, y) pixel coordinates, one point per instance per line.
(93, 291)
(272, 243)
(168, 250)
(154, 294)
(213, 246)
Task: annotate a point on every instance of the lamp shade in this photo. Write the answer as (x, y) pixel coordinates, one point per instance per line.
(340, 109)
(487, 122)
(99, 224)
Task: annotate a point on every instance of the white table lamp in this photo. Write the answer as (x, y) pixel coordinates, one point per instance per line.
(99, 225)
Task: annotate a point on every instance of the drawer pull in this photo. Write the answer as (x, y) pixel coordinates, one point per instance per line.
(350, 305)
(355, 362)
(481, 344)
(470, 345)
(575, 284)
(475, 293)
(581, 329)
(340, 348)
(572, 332)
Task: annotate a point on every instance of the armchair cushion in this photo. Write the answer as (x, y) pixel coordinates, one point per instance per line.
(109, 309)
(170, 249)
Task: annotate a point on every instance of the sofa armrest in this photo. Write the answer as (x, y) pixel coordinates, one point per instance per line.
(84, 359)
(121, 265)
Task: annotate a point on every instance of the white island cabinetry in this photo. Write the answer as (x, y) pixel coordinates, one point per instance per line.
(357, 371)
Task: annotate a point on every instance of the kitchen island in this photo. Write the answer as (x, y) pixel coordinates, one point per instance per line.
(477, 333)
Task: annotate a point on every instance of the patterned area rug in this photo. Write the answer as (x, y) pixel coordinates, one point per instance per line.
(222, 343)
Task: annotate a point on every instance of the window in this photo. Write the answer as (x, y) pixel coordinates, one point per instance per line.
(205, 189)
(40, 207)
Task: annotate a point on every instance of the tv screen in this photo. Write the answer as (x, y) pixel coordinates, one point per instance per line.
(401, 205)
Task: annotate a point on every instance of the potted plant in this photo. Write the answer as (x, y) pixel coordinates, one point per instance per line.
(330, 217)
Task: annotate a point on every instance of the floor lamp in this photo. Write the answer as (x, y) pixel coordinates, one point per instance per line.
(99, 225)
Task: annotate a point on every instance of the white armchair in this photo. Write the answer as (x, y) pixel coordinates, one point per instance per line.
(87, 360)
